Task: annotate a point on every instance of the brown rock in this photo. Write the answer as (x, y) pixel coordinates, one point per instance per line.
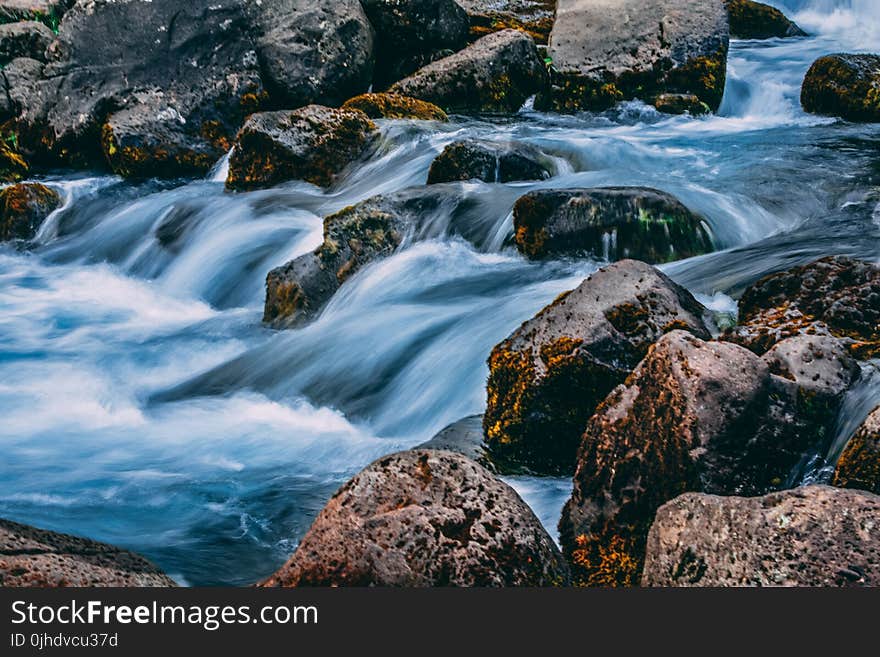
(23, 207)
(755, 20)
(395, 106)
(859, 465)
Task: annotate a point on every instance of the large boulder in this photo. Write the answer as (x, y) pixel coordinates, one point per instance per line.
(23, 208)
(604, 51)
(836, 296)
(395, 106)
(535, 17)
(844, 85)
(353, 238)
(497, 73)
(313, 143)
(612, 223)
(814, 536)
(548, 377)
(425, 518)
(31, 557)
(859, 464)
(25, 39)
(490, 162)
(755, 20)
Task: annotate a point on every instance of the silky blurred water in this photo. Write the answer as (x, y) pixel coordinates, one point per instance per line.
(145, 405)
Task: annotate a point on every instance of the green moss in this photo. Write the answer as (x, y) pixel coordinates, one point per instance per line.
(395, 106)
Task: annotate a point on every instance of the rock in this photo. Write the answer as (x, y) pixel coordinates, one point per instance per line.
(844, 85)
(836, 296)
(23, 208)
(859, 465)
(611, 223)
(19, 78)
(313, 51)
(605, 51)
(312, 143)
(394, 106)
(489, 162)
(48, 12)
(535, 17)
(497, 73)
(681, 104)
(755, 20)
(25, 39)
(31, 557)
(424, 518)
(548, 377)
(814, 536)
(12, 165)
(463, 437)
(353, 238)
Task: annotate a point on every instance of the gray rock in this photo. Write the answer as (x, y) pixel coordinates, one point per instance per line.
(489, 162)
(815, 536)
(49, 12)
(20, 79)
(31, 557)
(534, 17)
(25, 39)
(604, 51)
(464, 437)
(548, 377)
(497, 73)
(424, 518)
(859, 464)
(611, 223)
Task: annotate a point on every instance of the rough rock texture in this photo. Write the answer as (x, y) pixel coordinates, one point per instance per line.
(424, 518)
(814, 536)
(547, 378)
(25, 39)
(532, 16)
(313, 143)
(353, 238)
(494, 74)
(463, 437)
(755, 20)
(39, 558)
(12, 165)
(18, 78)
(490, 162)
(612, 223)
(395, 106)
(844, 85)
(859, 465)
(681, 104)
(48, 12)
(23, 208)
(836, 296)
(604, 51)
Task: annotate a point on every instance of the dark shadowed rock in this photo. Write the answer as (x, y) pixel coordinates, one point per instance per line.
(312, 143)
(547, 378)
(395, 106)
(23, 208)
(19, 78)
(859, 465)
(490, 162)
(48, 12)
(836, 296)
(605, 51)
(612, 223)
(681, 104)
(814, 536)
(25, 39)
(12, 165)
(755, 20)
(532, 16)
(424, 518)
(494, 74)
(463, 437)
(31, 557)
(844, 85)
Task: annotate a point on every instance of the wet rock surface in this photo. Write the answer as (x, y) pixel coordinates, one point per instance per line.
(23, 208)
(395, 106)
(843, 85)
(756, 20)
(681, 104)
(859, 464)
(489, 162)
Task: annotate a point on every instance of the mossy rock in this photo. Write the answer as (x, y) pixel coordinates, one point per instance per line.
(23, 208)
(13, 166)
(755, 20)
(534, 17)
(681, 104)
(844, 85)
(859, 464)
(395, 106)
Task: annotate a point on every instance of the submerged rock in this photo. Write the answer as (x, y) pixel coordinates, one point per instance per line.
(395, 106)
(489, 162)
(755, 20)
(859, 464)
(681, 104)
(31, 557)
(463, 437)
(424, 518)
(535, 17)
(494, 74)
(836, 296)
(23, 208)
(25, 39)
(548, 377)
(605, 51)
(844, 85)
(312, 143)
(814, 536)
(612, 223)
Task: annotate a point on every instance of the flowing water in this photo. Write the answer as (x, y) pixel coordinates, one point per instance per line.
(144, 404)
